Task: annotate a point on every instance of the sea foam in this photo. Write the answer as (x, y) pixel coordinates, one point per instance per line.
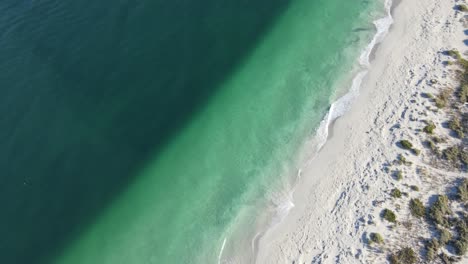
(337, 109)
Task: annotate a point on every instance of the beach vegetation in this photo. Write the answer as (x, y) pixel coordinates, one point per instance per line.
(417, 208)
(405, 255)
(389, 215)
(461, 242)
(432, 246)
(427, 95)
(399, 175)
(406, 144)
(439, 210)
(429, 128)
(463, 94)
(432, 146)
(416, 151)
(376, 238)
(460, 247)
(455, 125)
(464, 156)
(462, 191)
(442, 98)
(414, 188)
(395, 193)
(454, 54)
(445, 258)
(438, 140)
(445, 236)
(401, 160)
(462, 8)
(451, 154)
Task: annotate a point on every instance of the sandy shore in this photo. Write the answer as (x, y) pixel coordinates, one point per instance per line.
(343, 191)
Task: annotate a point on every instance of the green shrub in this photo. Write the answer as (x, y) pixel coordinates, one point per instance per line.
(414, 188)
(440, 103)
(417, 208)
(460, 247)
(432, 146)
(445, 236)
(442, 98)
(399, 175)
(439, 210)
(454, 54)
(432, 247)
(389, 215)
(402, 160)
(430, 254)
(416, 151)
(406, 144)
(462, 191)
(395, 193)
(376, 238)
(427, 95)
(405, 255)
(462, 8)
(455, 125)
(429, 128)
(451, 154)
(438, 140)
(462, 230)
(464, 157)
(463, 94)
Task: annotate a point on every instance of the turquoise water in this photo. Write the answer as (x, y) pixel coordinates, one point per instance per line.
(181, 182)
(235, 147)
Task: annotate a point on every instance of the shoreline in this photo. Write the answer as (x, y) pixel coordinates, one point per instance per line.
(321, 227)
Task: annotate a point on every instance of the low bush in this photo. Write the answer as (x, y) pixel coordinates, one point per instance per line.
(395, 193)
(454, 54)
(416, 151)
(427, 95)
(432, 146)
(438, 140)
(376, 238)
(462, 8)
(389, 215)
(399, 175)
(406, 144)
(439, 210)
(451, 154)
(445, 236)
(460, 247)
(402, 160)
(463, 94)
(432, 246)
(429, 128)
(462, 191)
(442, 98)
(405, 255)
(414, 188)
(464, 157)
(455, 125)
(417, 208)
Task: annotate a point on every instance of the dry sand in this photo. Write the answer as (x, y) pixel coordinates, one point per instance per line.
(342, 192)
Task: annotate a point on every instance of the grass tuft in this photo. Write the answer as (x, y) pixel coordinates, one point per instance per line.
(376, 238)
(417, 208)
(389, 215)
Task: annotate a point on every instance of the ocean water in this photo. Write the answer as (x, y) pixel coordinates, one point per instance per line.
(159, 131)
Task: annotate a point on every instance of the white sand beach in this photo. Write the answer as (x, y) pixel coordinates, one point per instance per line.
(342, 192)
